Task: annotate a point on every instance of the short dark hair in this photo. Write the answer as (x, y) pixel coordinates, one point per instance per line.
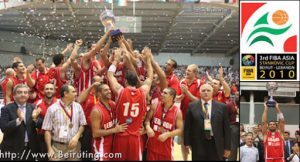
(172, 92)
(40, 58)
(131, 78)
(89, 45)
(287, 132)
(100, 87)
(15, 65)
(175, 63)
(63, 89)
(57, 59)
(273, 121)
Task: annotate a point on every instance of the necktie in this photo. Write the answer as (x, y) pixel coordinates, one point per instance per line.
(206, 110)
(207, 133)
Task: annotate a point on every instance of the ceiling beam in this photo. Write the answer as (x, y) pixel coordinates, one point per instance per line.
(232, 50)
(178, 11)
(213, 31)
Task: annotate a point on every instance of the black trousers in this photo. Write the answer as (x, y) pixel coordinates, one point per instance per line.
(210, 153)
(86, 143)
(235, 141)
(43, 147)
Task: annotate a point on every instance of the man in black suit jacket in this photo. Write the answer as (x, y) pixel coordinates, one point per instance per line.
(288, 144)
(207, 142)
(18, 127)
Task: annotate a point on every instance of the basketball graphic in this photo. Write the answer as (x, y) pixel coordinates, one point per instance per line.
(280, 17)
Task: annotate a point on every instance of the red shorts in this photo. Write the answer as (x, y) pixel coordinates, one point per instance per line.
(129, 147)
(274, 160)
(152, 156)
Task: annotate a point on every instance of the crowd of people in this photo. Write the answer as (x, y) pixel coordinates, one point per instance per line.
(117, 101)
(269, 141)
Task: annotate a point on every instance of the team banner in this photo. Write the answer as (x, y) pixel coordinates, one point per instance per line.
(269, 41)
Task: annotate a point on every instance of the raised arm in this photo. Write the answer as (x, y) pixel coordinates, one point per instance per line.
(73, 55)
(147, 83)
(264, 120)
(224, 83)
(9, 87)
(104, 53)
(280, 119)
(29, 80)
(83, 95)
(114, 84)
(68, 48)
(162, 76)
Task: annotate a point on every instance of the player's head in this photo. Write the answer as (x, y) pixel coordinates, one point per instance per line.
(295, 148)
(216, 84)
(168, 95)
(9, 72)
(96, 78)
(170, 66)
(206, 92)
(40, 63)
(58, 59)
(191, 71)
(156, 80)
(49, 90)
(103, 92)
(19, 67)
(272, 126)
(131, 78)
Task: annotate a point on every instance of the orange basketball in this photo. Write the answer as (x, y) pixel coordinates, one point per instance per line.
(280, 17)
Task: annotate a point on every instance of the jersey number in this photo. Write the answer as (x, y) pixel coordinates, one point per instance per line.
(134, 110)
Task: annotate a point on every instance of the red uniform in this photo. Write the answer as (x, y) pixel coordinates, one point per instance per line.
(43, 106)
(155, 93)
(220, 97)
(41, 79)
(173, 82)
(54, 76)
(194, 88)
(131, 109)
(86, 76)
(141, 70)
(87, 107)
(162, 122)
(102, 146)
(3, 85)
(120, 73)
(274, 147)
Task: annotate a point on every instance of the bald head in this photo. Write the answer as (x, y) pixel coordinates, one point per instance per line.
(9, 72)
(206, 92)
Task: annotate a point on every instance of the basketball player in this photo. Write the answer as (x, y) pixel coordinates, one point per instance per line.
(103, 126)
(131, 107)
(166, 123)
(273, 138)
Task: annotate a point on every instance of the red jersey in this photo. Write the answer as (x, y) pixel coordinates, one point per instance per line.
(41, 79)
(55, 78)
(141, 70)
(220, 97)
(86, 76)
(120, 73)
(43, 106)
(163, 122)
(3, 85)
(274, 146)
(173, 82)
(103, 145)
(194, 88)
(155, 93)
(131, 109)
(87, 106)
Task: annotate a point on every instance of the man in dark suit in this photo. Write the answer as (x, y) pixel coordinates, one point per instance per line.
(18, 127)
(206, 128)
(288, 144)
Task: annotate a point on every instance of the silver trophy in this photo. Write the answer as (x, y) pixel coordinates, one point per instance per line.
(271, 87)
(108, 20)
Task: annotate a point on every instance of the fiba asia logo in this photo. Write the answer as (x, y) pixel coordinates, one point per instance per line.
(269, 26)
